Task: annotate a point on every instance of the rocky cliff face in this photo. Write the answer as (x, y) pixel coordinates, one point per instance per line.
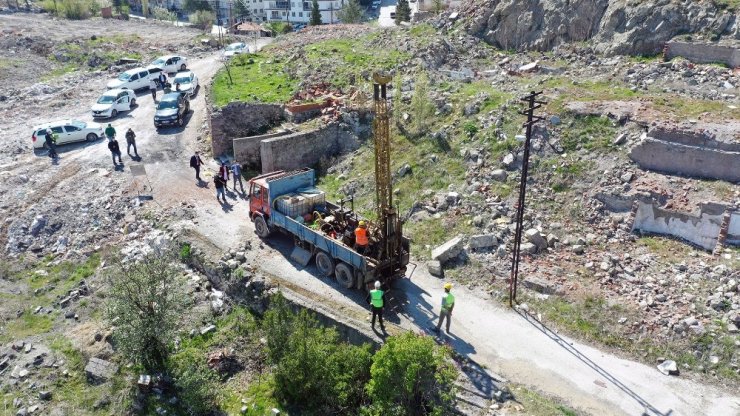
(610, 27)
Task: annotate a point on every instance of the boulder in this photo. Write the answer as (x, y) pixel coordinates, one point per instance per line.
(533, 236)
(448, 250)
(435, 268)
(482, 241)
(539, 285)
(528, 248)
(499, 175)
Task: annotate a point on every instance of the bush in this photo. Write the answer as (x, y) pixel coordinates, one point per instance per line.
(195, 382)
(411, 375)
(185, 253)
(72, 9)
(470, 128)
(203, 19)
(313, 369)
(422, 109)
(144, 305)
(160, 13)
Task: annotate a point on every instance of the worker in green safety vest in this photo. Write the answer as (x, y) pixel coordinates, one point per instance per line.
(376, 299)
(448, 303)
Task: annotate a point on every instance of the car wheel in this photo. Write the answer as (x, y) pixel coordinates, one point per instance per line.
(344, 275)
(91, 137)
(261, 228)
(324, 263)
(133, 103)
(179, 121)
(113, 113)
(182, 67)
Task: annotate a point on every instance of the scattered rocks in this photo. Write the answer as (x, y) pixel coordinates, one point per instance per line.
(435, 268)
(449, 250)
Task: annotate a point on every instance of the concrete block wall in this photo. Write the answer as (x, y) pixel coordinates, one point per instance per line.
(733, 229)
(704, 53)
(239, 119)
(247, 149)
(305, 149)
(699, 138)
(702, 229)
(665, 156)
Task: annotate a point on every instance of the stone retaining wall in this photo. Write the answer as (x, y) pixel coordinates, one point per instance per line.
(247, 149)
(305, 149)
(239, 119)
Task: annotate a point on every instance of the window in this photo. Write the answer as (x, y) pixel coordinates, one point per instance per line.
(70, 129)
(293, 14)
(56, 129)
(300, 14)
(134, 77)
(143, 74)
(283, 13)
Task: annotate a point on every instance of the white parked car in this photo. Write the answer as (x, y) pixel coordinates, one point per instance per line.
(170, 63)
(112, 102)
(67, 131)
(235, 49)
(188, 82)
(134, 79)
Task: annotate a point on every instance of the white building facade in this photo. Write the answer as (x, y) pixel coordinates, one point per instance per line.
(292, 11)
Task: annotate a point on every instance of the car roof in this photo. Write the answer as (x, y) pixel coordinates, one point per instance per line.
(116, 91)
(136, 70)
(172, 96)
(236, 43)
(56, 123)
(188, 72)
(166, 57)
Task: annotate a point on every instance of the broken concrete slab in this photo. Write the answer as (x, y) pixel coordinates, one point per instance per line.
(533, 236)
(448, 250)
(100, 370)
(435, 268)
(482, 241)
(528, 248)
(668, 367)
(540, 285)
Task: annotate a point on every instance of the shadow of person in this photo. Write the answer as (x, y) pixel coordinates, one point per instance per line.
(119, 167)
(226, 206)
(135, 158)
(201, 183)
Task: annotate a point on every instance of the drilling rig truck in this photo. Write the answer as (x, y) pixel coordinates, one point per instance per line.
(290, 203)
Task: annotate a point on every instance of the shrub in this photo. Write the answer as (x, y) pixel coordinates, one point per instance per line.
(203, 19)
(195, 382)
(185, 253)
(313, 369)
(144, 305)
(160, 13)
(79, 9)
(470, 128)
(411, 375)
(422, 109)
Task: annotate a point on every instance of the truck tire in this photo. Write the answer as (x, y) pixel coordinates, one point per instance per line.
(324, 263)
(344, 275)
(260, 227)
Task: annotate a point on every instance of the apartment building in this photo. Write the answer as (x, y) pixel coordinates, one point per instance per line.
(299, 11)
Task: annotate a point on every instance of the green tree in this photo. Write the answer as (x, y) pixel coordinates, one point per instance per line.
(144, 306)
(315, 14)
(438, 6)
(241, 8)
(203, 19)
(313, 368)
(196, 5)
(117, 6)
(411, 375)
(195, 382)
(422, 108)
(351, 12)
(403, 11)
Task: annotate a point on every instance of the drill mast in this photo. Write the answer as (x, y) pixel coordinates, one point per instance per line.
(388, 221)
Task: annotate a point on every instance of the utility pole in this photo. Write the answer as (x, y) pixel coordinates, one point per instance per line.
(532, 104)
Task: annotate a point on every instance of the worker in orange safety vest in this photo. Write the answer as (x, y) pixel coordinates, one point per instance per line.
(361, 240)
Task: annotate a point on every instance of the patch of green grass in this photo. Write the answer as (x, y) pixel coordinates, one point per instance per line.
(259, 396)
(495, 98)
(538, 404)
(685, 107)
(28, 324)
(669, 250)
(256, 78)
(75, 395)
(106, 50)
(593, 133)
(349, 57)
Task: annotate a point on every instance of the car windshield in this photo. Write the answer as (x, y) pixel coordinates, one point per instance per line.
(78, 124)
(124, 76)
(163, 105)
(234, 47)
(159, 61)
(182, 80)
(106, 99)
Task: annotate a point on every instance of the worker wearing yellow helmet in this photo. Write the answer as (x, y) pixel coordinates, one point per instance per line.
(361, 240)
(448, 303)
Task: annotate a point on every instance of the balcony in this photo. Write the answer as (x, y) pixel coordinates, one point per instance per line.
(279, 5)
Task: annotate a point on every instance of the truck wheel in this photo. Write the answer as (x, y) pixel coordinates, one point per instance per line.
(344, 275)
(261, 228)
(324, 263)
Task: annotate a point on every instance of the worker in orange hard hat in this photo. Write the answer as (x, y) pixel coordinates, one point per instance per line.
(448, 303)
(361, 240)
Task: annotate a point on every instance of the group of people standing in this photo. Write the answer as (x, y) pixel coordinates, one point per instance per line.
(377, 300)
(221, 178)
(115, 150)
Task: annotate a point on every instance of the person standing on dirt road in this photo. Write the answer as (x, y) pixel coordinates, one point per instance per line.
(195, 163)
(162, 80)
(110, 132)
(131, 141)
(223, 172)
(51, 142)
(219, 182)
(236, 170)
(114, 150)
(153, 89)
(448, 303)
(376, 299)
